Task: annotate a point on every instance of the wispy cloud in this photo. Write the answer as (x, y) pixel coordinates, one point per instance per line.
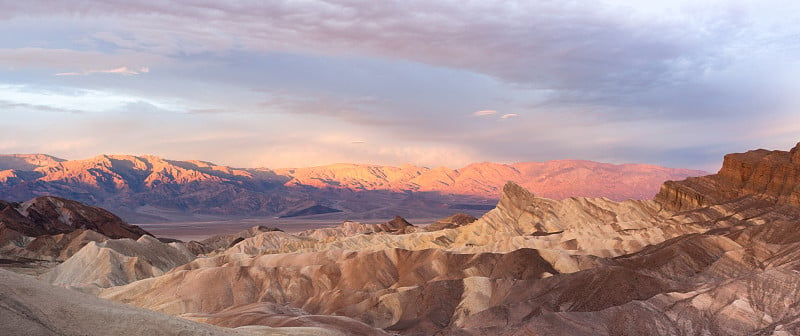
(8, 105)
(484, 113)
(125, 71)
(509, 115)
(70, 74)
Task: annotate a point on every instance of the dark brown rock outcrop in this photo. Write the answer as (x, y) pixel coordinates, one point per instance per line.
(454, 221)
(769, 174)
(397, 225)
(50, 215)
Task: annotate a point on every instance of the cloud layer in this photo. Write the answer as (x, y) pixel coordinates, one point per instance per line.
(675, 83)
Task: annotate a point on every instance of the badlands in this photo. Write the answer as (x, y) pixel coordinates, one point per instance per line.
(710, 255)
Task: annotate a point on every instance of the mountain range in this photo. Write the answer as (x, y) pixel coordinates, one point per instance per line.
(150, 188)
(709, 255)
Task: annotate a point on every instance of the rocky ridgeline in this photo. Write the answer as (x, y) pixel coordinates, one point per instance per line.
(149, 188)
(769, 174)
(48, 215)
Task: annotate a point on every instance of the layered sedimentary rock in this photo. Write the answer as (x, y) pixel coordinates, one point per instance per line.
(730, 282)
(769, 174)
(391, 289)
(118, 262)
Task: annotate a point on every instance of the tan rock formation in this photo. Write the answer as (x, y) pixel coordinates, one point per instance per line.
(61, 247)
(364, 285)
(227, 241)
(117, 262)
(398, 225)
(31, 307)
(270, 314)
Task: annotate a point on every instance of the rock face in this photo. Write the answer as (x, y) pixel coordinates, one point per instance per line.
(150, 188)
(53, 215)
(770, 174)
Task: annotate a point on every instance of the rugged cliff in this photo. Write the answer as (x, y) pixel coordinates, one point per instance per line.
(771, 175)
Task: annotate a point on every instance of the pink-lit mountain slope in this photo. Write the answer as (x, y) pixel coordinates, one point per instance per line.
(150, 188)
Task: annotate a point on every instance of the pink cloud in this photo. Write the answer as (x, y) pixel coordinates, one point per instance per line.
(484, 113)
(509, 115)
(125, 71)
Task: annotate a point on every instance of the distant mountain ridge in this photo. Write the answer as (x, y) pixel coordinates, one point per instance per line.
(146, 187)
(552, 179)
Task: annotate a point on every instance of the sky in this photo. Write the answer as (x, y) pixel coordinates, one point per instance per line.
(432, 83)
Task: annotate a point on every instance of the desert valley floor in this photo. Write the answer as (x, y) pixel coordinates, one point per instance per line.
(710, 255)
(198, 231)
